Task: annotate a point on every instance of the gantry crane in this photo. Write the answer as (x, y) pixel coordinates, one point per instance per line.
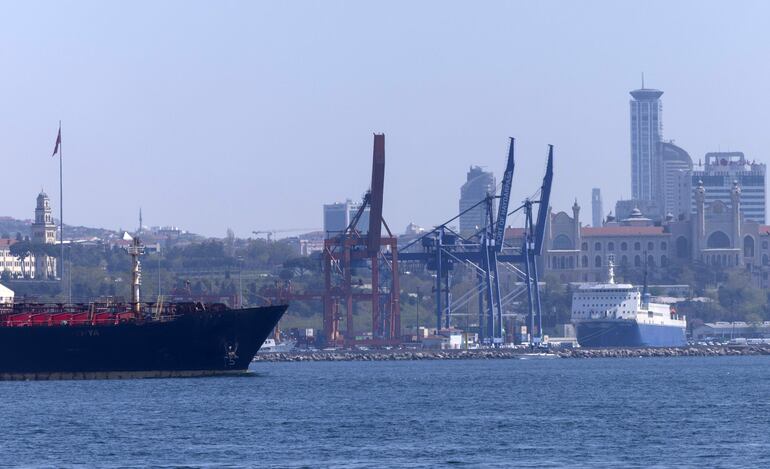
(443, 247)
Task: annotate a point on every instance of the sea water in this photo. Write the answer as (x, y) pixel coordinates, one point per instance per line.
(630, 412)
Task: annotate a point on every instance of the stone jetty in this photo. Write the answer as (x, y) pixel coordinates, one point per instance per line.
(490, 354)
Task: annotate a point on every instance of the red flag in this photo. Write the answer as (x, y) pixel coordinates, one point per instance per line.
(58, 142)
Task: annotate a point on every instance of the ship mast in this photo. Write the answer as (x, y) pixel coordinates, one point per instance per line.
(611, 269)
(135, 250)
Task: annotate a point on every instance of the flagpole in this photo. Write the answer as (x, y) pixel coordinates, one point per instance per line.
(61, 211)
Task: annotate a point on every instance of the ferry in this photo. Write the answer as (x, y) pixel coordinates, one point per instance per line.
(619, 315)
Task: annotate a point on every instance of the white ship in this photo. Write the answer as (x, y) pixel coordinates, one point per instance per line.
(618, 315)
(270, 346)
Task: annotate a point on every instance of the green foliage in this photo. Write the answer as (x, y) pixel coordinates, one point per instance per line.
(261, 254)
(303, 265)
(207, 254)
(556, 301)
(739, 298)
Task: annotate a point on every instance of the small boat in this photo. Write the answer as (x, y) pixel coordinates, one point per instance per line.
(536, 356)
(270, 346)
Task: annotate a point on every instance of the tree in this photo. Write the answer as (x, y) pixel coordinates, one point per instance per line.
(740, 298)
(302, 265)
(21, 250)
(230, 242)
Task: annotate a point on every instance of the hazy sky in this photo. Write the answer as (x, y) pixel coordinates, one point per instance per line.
(251, 115)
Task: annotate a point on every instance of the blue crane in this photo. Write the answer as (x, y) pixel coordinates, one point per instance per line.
(442, 248)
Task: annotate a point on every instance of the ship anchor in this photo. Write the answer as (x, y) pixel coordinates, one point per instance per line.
(231, 354)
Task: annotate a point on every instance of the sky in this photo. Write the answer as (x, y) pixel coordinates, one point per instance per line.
(252, 115)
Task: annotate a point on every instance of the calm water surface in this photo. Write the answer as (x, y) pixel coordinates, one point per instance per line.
(677, 412)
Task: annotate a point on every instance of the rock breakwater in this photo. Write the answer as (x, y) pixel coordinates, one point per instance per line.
(490, 354)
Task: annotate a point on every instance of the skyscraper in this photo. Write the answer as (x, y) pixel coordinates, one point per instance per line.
(478, 184)
(337, 217)
(674, 163)
(597, 211)
(646, 130)
(720, 173)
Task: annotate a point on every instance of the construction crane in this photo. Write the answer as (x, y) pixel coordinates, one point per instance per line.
(271, 233)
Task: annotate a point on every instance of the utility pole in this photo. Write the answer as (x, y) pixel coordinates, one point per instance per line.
(240, 282)
(419, 297)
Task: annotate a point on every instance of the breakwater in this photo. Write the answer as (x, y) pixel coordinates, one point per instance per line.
(511, 354)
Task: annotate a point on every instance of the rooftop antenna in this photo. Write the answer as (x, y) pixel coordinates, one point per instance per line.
(642, 80)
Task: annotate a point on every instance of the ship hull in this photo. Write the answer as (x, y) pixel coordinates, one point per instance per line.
(204, 343)
(623, 333)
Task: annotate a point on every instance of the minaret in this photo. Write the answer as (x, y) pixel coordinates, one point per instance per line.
(700, 220)
(43, 232)
(576, 226)
(735, 198)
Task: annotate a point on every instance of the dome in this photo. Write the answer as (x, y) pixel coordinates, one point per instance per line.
(636, 213)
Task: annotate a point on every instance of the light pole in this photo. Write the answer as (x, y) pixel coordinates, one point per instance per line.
(240, 282)
(419, 297)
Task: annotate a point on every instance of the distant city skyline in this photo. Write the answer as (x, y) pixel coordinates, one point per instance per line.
(251, 115)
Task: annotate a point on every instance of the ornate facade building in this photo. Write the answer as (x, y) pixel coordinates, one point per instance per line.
(37, 264)
(716, 234)
(44, 232)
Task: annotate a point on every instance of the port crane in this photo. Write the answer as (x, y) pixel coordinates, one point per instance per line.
(354, 250)
(483, 251)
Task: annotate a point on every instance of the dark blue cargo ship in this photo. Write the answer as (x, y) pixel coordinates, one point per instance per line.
(130, 340)
(113, 341)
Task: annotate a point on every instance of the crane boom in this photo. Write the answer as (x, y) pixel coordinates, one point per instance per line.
(505, 195)
(545, 200)
(376, 195)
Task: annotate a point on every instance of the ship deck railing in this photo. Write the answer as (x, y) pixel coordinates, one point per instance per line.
(94, 314)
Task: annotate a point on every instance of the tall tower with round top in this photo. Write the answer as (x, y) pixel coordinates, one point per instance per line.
(646, 132)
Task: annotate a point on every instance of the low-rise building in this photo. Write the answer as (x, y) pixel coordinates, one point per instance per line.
(722, 330)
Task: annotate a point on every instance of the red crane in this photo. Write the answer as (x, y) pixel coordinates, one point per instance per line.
(351, 248)
(354, 249)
